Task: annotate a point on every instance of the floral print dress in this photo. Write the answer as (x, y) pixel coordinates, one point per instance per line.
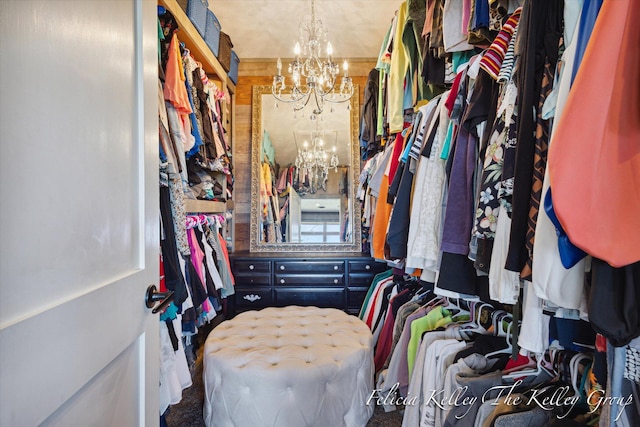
(496, 182)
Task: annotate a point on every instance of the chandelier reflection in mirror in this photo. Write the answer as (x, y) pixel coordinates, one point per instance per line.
(314, 162)
(313, 78)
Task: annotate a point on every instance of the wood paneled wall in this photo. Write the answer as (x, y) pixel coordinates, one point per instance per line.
(252, 73)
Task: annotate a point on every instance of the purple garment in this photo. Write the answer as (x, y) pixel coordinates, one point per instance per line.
(460, 210)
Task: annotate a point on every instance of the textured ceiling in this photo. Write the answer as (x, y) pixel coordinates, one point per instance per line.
(261, 29)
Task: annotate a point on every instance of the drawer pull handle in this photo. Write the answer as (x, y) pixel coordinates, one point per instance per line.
(335, 267)
(251, 267)
(282, 267)
(252, 297)
(335, 281)
(367, 267)
(281, 280)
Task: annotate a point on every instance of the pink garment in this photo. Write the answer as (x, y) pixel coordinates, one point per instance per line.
(466, 15)
(197, 256)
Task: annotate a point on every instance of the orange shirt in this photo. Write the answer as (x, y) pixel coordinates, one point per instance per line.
(175, 90)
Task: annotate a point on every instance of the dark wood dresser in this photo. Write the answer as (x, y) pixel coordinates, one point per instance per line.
(335, 280)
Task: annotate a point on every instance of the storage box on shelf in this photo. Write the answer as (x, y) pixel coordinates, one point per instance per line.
(233, 68)
(212, 34)
(197, 13)
(224, 52)
(193, 40)
(188, 16)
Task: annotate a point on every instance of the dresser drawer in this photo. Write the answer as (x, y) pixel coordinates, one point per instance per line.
(253, 279)
(309, 280)
(314, 267)
(355, 297)
(250, 298)
(304, 297)
(360, 280)
(370, 266)
(251, 266)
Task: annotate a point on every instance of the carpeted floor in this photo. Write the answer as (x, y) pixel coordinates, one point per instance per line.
(188, 413)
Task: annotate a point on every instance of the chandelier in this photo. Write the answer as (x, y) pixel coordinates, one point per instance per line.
(312, 76)
(313, 160)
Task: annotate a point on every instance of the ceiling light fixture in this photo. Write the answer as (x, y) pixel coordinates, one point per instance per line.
(312, 76)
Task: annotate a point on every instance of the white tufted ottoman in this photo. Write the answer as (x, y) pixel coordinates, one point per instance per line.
(288, 367)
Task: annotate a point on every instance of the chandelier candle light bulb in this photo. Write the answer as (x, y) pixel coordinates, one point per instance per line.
(313, 77)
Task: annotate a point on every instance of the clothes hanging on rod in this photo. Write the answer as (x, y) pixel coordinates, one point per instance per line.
(195, 163)
(452, 192)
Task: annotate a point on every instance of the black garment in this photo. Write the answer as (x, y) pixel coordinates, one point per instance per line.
(174, 281)
(394, 187)
(211, 287)
(614, 300)
(198, 293)
(539, 31)
(404, 296)
(485, 94)
(172, 334)
(433, 70)
(369, 120)
(208, 148)
(483, 255)
(457, 274)
(428, 145)
(398, 232)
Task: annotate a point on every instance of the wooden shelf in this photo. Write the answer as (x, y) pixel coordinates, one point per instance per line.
(189, 35)
(204, 206)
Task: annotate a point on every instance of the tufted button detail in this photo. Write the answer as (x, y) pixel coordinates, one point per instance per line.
(278, 341)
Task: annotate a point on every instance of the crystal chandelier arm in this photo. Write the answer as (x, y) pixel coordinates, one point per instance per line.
(320, 74)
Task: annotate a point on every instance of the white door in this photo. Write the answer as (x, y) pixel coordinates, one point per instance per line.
(78, 212)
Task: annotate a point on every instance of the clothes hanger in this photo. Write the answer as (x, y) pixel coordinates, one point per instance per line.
(506, 350)
(474, 325)
(574, 369)
(530, 372)
(455, 309)
(498, 320)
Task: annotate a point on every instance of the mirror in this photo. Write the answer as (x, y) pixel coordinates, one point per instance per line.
(298, 204)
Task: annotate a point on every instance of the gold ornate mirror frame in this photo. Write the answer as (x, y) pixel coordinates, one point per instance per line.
(255, 245)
